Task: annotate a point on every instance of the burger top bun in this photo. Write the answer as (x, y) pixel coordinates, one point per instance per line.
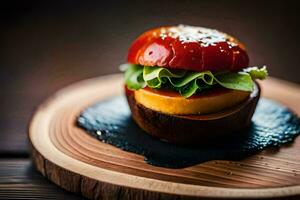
(189, 48)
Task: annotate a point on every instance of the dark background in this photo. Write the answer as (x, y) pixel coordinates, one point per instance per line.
(46, 45)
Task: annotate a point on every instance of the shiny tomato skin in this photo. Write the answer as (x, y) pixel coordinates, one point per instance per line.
(189, 48)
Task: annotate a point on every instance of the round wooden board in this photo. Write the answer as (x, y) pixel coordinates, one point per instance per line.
(79, 163)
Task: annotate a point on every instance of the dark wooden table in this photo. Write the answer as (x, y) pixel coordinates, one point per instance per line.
(47, 45)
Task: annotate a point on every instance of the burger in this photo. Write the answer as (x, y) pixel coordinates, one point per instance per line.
(187, 84)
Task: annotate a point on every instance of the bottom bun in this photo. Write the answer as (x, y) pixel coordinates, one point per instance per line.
(189, 129)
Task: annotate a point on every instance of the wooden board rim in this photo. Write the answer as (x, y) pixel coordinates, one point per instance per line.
(40, 123)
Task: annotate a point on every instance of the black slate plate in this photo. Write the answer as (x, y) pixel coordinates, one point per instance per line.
(110, 121)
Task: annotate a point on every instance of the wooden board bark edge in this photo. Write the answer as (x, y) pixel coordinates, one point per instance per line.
(95, 183)
(89, 187)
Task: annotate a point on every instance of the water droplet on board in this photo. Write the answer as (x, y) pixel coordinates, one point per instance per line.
(99, 133)
(229, 173)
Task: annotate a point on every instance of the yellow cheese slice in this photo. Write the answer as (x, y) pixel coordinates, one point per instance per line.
(171, 102)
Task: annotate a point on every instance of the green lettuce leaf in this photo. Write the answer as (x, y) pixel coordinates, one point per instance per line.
(236, 81)
(188, 83)
(257, 73)
(134, 77)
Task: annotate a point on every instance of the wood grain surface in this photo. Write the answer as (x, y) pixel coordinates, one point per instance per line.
(79, 163)
(19, 180)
